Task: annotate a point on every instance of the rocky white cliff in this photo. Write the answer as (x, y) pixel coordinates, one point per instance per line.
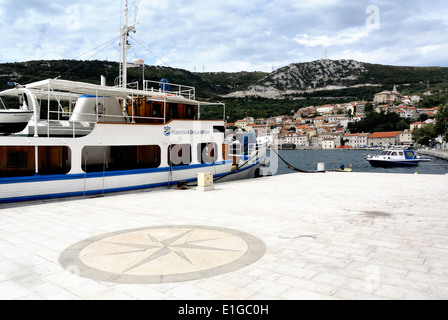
(309, 76)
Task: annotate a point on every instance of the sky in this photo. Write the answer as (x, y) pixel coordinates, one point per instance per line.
(229, 35)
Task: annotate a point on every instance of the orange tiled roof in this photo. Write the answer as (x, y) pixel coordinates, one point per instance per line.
(378, 135)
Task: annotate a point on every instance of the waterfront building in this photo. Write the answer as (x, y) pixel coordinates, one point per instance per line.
(405, 138)
(324, 139)
(298, 139)
(384, 139)
(314, 141)
(357, 140)
(329, 144)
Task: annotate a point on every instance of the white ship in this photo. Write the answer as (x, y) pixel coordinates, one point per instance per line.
(104, 139)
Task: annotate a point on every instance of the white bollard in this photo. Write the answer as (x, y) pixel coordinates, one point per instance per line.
(205, 182)
(321, 167)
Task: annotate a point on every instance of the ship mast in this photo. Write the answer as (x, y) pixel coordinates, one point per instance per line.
(125, 46)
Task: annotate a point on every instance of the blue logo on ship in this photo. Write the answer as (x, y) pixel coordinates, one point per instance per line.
(167, 131)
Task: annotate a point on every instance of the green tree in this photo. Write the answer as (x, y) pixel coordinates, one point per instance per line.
(441, 127)
(423, 117)
(380, 122)
(425, 134)
(368, 107)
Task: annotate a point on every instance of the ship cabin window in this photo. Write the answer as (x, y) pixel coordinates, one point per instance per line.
(219, 129)
(54, 160)
(394, 153)
(120, 158)
(190, 113)
(179, 155)
(17, 159)
(157, 111)
(20, 161)
(173, 111)
(208, 152)
(180, 111)
(400, 153)
(145, 111)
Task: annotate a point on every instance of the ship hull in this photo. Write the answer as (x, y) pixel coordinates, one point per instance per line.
(393, 164)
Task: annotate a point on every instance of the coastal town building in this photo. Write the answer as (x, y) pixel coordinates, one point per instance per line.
(259, 129)
(324, 140)
(314, 141)
(242, 124)
(418, 125)
(357, 140)
(328, 144)
(250, 127)
(325, 108)
(358, 118)
(325, 126)
(388, 97)
(339, 119)
(384, 139)
(298, 139)
(357, 107)
(405, 138)
(305, 112)
(406, 112)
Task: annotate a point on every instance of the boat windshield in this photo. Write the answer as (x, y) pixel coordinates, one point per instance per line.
(409, 154)
(384, 153)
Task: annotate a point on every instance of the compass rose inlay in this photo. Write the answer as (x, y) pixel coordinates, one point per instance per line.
(163, 254)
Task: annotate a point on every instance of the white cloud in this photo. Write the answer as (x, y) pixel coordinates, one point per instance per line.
(340, 39)
(227, 35)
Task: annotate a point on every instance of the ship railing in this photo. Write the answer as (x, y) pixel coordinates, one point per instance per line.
(69, 128)
(170, 88)
(75, 128)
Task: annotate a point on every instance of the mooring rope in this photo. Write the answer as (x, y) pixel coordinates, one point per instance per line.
(291, 167)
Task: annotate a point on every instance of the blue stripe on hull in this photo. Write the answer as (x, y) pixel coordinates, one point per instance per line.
(38, 178)
(82, 193)
(100, 175)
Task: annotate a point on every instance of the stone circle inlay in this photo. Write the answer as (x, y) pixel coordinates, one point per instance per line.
(162, 254)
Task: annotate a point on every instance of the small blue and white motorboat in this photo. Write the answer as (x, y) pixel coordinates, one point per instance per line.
(394, 158)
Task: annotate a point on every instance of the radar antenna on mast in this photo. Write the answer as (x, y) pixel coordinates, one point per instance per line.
(124, 43)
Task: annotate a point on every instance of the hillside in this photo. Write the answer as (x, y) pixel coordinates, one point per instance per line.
(207, 84)
(329, 75)
(322, 79)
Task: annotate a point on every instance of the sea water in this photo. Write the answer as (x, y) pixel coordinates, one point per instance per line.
(308, 160)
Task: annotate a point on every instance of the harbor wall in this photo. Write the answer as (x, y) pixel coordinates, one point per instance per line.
(435, 153)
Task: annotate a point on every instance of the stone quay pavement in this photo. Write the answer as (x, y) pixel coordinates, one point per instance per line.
(344, 236)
